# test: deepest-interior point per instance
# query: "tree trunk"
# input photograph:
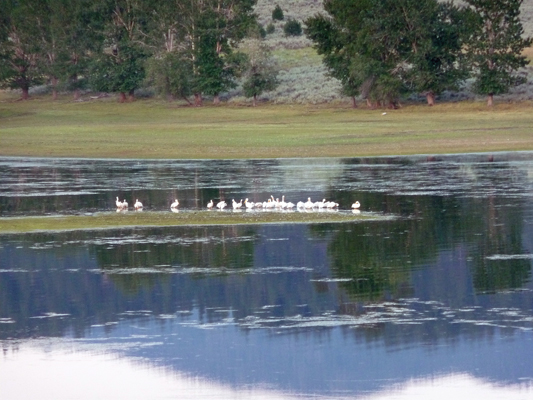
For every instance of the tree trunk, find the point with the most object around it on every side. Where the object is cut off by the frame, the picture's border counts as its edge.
(430, 97)
(216, 99)
(122, 97)
(25, 93)
(254, 102)
(369, 104)
(131, 95)
(490, 100)
(354, 104)
(74, 80)
(198, 99)
(54, 88)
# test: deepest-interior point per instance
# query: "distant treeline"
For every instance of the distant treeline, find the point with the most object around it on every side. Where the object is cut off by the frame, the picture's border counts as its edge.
(378, 49)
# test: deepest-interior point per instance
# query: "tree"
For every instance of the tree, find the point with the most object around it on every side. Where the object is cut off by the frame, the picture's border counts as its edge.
(170, 75)
(219, 25)
(261, 72)
(358, 48)
(70, 32)
(496, 46)
(119, 66)
(437, 32)
(292, 28)
(20, 66)
(277, 13)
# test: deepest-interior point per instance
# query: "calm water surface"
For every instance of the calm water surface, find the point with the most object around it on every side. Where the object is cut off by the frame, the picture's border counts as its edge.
(436, 302)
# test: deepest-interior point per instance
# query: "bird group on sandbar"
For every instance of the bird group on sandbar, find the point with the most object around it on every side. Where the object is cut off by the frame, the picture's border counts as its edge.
(123, 205)
(277, 204)
(269, 204)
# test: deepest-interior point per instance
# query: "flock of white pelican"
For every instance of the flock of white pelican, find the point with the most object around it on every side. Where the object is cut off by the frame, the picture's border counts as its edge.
(123, 205)
(269, 204)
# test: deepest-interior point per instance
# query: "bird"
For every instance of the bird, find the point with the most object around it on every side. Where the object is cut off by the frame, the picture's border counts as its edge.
(175, 204)
(221, 204)
(249, 204)
(138, 205)
(331, 204)
(235, 204)
(118, 203)
(125, 204)
(210, 204)
(356, 205)
(308, 203)
(320, 204)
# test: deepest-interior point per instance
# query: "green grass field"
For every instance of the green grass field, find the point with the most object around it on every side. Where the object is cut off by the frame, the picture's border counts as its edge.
(158, 129)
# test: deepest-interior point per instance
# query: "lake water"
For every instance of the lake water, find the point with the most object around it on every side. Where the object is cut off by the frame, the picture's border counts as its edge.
(435, 301)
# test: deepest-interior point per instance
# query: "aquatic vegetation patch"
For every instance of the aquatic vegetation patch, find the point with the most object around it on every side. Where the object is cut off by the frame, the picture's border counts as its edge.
(110, 220)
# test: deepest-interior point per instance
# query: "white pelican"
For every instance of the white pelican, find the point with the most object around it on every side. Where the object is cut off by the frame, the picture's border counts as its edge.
(320, 204)
(331, 204)
(356, 205)
(221, 204)
(175, 204)
(118, 203)
(125, 204)
(249, 204)
(138, 205)
(210, 204)
(300, 204)
(235, 204)
(308, 203)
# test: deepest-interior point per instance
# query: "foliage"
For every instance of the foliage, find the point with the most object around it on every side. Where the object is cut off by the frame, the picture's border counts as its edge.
(292, 28)
(19, 51)
(381, 49)
(170, 75)
(496, 45)
(277, 13)
(261, 72)
(270, 29)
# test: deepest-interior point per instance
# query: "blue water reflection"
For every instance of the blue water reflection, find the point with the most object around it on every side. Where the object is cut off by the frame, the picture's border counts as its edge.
(364, 309)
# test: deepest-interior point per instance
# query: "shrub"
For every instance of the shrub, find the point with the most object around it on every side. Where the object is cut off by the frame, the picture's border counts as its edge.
(270, 29)
(277, 14)
(292, 28)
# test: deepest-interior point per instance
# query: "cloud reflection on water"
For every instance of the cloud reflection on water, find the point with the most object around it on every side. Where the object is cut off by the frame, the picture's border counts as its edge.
(91, 372)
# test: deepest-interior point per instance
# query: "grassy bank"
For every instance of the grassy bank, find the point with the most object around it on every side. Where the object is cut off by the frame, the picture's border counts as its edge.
(111, 220)
(157, 129)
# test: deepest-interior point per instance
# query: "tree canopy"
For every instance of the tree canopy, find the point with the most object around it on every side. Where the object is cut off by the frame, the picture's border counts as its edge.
(380, 49)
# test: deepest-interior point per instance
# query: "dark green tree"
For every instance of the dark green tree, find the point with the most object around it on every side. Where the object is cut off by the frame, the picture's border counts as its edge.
(261, 71)
(170, 75)
(70, 33)
(436, 62)
(496, 46)
(292, 28)
(20, 62)
(277, 13)
(119, 66)
(219, 26)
